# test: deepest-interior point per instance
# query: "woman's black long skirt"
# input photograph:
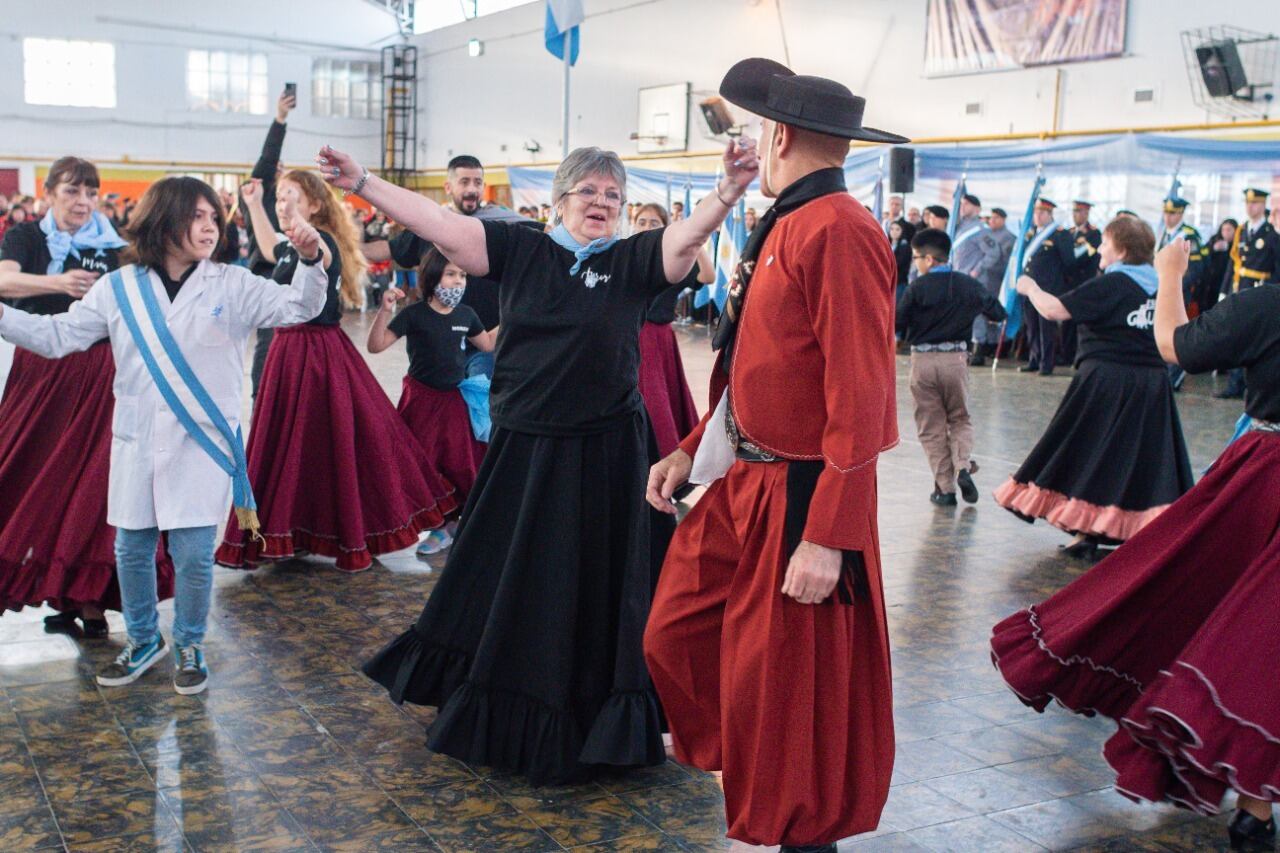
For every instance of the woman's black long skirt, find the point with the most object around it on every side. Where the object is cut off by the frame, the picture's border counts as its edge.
(531, 642)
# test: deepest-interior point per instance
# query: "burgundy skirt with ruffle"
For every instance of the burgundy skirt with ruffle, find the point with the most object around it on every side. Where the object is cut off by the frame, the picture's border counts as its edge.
(441, 423)
(56, 547)
(1175, 636)
(663, 386)
(334, 469)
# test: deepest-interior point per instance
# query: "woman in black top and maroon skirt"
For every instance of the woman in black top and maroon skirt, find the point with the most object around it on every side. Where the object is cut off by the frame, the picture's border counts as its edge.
(334, 469)
(531, 642)
(663, 385)
(1113, 457)
(437, 330)
(1174, 636)
(56, 547)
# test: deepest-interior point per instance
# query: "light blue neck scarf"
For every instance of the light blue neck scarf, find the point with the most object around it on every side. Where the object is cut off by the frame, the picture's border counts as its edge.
(1144, 275)
(95, 234)
(565, 240)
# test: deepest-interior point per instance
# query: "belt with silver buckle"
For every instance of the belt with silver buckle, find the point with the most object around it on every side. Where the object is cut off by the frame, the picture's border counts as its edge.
(1264, 426)
(743, 449)
(948, 346)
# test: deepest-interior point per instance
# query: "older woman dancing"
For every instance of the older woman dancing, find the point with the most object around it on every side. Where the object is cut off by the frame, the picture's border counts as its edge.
(531, 643)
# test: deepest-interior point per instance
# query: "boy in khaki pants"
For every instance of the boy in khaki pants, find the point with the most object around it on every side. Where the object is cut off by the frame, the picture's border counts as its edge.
(935, 317)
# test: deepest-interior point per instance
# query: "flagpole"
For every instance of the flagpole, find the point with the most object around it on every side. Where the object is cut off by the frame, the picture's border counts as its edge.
(568, 55)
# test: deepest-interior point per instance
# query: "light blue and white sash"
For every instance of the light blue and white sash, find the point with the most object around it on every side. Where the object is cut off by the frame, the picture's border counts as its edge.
(181, 389)
(966, 235)
(1040, 238)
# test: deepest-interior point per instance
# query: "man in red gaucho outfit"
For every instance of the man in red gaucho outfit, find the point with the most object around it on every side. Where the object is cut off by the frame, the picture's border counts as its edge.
(767, 638)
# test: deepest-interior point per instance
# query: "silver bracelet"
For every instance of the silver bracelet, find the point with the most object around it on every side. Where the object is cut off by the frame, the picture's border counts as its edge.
(728, 204)
(359, 184)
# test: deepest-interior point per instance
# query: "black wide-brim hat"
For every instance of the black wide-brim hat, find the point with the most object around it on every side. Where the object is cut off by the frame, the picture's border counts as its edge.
(773, 90)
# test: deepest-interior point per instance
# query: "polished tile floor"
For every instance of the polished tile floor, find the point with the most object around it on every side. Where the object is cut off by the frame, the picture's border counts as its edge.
(292, 749)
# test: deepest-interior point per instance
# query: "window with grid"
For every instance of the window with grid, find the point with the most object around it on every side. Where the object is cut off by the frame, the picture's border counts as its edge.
(64, 73)
(225, 81)
(346, 89)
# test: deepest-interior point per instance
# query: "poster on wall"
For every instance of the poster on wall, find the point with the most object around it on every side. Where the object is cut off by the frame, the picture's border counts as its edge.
(968, 36)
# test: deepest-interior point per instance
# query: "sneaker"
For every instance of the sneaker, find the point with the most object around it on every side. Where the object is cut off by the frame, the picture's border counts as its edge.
(968, 490)
(134, 659)
(943, 498)
(436, 541)
(191, 676)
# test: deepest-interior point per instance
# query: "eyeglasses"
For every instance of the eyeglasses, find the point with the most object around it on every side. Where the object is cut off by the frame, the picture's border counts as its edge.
(589, 195)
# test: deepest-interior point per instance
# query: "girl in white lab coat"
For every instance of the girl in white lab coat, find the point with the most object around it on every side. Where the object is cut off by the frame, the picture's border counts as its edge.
(336, 469)
(178, 324)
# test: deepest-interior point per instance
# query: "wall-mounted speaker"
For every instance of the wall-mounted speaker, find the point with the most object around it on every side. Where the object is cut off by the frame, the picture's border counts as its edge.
(902, 170)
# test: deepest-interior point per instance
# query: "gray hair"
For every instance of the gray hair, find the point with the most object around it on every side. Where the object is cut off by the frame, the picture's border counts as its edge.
(583, 163)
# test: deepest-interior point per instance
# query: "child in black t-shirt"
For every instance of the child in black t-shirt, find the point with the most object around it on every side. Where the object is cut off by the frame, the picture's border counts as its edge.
(437, 331)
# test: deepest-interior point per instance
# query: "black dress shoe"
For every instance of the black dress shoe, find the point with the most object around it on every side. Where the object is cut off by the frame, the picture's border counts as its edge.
(62, 623)
(807, 848)
(1048, 372)
(1226, 395)
(1029, 368)
(1248, 833)
(95, 629)
(968, 489)
(977, 360)
(1085, 549)
(943, 498)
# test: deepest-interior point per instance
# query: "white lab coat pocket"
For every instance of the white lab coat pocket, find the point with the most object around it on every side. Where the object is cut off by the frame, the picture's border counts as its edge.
(124, 420)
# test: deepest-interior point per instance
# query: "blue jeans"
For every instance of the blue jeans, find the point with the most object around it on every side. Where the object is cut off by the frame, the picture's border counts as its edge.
(192, 552)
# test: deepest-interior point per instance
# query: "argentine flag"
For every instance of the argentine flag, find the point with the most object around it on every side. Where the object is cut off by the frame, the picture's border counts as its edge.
(563, 17)
(729, 243)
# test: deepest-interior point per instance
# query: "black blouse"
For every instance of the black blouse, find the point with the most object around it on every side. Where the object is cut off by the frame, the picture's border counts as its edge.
(1117, 321)
(287, 262)
(1243, 330)
(25, 244)
(568, 351)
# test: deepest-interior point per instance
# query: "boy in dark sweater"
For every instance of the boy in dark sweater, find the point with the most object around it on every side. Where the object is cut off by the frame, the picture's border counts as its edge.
(935, 317)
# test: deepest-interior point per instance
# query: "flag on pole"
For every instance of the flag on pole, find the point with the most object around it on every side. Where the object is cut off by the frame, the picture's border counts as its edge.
(563, 18)
(729, 243)
(688, 200)
(961, 191)
(1009, 291)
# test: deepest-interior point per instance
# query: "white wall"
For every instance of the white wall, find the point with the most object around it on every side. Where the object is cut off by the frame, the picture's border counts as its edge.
(876, 47)
(152, 121)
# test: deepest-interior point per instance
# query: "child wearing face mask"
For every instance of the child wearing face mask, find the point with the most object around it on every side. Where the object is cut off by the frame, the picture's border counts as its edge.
(335, 467)
(177, 324)
(437, 331)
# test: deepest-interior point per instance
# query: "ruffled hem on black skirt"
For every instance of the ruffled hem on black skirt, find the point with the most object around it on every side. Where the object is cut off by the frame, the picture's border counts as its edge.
(531, 642)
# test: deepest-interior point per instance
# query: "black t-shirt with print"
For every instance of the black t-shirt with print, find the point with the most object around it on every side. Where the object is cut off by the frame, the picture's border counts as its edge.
(287, 262)
(1116, 320)
(569, 352)
(437, 343)
(25, 244)
(481, 296)
(1242, 330)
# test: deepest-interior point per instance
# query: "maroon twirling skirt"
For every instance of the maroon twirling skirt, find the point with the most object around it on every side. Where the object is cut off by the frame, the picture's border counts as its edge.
(1176, 636)
(663, 385)
(334, 469)
(441, 423)
(56, 547)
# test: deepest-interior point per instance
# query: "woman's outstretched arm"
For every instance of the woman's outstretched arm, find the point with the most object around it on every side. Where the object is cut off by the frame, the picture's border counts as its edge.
(460, 238)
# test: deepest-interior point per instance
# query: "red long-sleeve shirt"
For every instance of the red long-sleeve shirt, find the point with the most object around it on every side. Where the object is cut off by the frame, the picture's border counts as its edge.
(812, 375)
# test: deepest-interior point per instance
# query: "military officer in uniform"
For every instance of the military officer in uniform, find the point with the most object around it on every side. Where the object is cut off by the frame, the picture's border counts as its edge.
(1049, 251)
(1255, 255)
(1081, 267)
(1174, 227)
